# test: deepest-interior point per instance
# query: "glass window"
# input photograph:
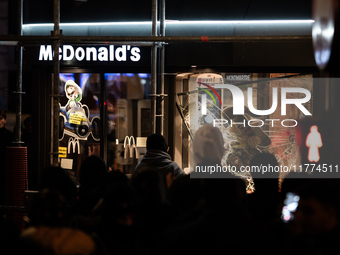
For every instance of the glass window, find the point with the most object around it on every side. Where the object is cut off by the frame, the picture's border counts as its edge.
(254, 117)
(79, 119)
(128, 116)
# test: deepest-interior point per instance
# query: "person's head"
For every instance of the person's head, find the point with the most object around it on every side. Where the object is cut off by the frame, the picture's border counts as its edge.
(186, 193)
(28, 124)
(156, 142)
(208, 145)
(55, 178)
(118, 206)
(112, 178)
(93, 170)
(3, 117)
(149, 185)
(48, 208)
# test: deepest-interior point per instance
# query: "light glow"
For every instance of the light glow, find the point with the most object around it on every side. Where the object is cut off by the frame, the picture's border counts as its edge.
(313, 142)
(204, 104)
(241, 22)
(176, 22)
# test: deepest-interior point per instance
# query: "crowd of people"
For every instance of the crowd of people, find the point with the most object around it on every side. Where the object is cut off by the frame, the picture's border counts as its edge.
(161, 210)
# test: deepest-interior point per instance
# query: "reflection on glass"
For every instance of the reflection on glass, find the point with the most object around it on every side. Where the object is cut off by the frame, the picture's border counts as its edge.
(79, 119)
(250, 134)
(128, 114)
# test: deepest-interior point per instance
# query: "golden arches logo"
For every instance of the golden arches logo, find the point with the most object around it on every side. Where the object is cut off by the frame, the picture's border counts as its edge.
(129, 144)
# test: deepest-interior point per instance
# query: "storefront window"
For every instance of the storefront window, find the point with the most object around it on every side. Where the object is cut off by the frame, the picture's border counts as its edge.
(127, 106)
(254, 115)
(79, 119)
(128, 115)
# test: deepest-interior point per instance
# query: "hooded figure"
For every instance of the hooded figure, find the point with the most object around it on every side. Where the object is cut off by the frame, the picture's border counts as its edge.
(157, 157)
(208, 146)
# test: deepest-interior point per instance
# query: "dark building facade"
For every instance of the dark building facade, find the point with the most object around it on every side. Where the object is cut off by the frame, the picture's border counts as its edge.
(116, 76)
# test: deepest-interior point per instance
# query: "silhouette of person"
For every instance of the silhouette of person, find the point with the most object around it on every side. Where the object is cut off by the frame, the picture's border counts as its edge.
(313, 142)
(157, 157)
(6, 139)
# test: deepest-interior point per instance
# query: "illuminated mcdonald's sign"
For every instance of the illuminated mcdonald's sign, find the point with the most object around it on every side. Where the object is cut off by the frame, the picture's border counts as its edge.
(103, 54)
(129, 144)
(74, 142)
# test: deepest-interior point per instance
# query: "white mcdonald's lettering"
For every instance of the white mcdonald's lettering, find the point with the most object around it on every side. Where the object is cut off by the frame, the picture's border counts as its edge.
(45, 52)
(103, 54)
(129, 144)
(80, 54)
(68, 48)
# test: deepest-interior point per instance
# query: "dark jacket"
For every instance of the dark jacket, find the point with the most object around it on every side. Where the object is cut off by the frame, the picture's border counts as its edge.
(160, 161)
(6, 139)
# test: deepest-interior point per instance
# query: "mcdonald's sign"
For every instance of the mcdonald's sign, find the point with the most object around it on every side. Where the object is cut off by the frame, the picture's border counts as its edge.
(129, 144)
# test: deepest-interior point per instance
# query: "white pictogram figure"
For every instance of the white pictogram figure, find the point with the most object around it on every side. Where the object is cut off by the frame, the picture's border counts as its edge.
(313, 142)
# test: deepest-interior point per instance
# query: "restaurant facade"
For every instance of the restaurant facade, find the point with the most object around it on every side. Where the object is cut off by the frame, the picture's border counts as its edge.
(119, 82)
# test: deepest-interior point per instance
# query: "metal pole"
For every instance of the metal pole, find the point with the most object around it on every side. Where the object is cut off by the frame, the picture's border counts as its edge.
(154, 17)
(103, 118)
(162, 18)
(153, 87)
(154, 67)
(55, 96)
(162, 59)
(19, 76)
